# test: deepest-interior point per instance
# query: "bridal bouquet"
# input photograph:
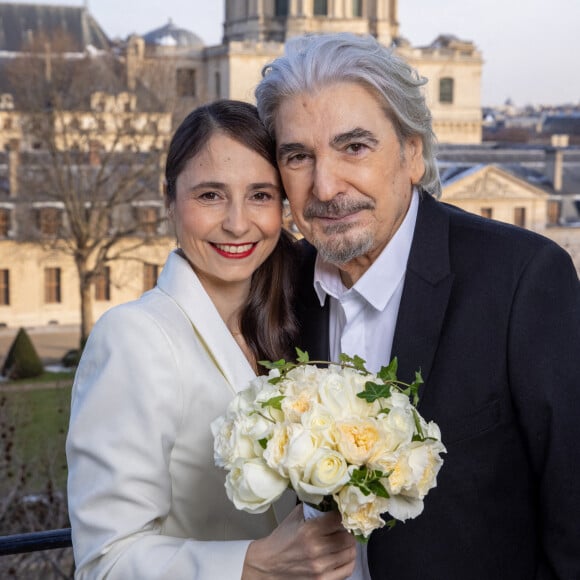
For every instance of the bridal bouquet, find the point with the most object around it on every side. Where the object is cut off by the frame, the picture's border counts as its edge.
(341, 437)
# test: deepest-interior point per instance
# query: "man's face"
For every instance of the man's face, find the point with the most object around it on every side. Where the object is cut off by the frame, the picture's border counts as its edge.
(348, 178)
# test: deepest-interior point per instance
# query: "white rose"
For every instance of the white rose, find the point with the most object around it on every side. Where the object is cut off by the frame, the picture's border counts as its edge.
(290, 447)
(325, 474)
(304, 378)
(230, 442)
(403, 507)
(322, 424)
(361, 514)
(252, 486)
(400, 400)
(338, 393)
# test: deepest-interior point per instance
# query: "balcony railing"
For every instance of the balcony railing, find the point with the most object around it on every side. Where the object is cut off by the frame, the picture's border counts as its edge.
(35, 542)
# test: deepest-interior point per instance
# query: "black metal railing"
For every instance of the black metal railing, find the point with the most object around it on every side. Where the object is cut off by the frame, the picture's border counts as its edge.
(35, 542)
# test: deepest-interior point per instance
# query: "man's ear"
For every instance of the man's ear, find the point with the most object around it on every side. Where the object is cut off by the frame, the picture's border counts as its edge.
(414, 158)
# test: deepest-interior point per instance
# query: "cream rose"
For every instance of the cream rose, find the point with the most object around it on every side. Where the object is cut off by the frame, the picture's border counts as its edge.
(425, 462)
(252, 486)
(361, 514)
(357, 439)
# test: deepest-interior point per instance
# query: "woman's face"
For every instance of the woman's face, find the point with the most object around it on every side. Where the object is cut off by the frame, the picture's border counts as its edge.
(227, 212)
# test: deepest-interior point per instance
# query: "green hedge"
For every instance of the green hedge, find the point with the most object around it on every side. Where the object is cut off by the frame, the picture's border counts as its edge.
(22, 361)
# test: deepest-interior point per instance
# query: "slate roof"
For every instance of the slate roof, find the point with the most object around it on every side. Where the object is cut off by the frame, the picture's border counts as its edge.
(451, 173)
(528, 162)
(21, 23)
(562, 123)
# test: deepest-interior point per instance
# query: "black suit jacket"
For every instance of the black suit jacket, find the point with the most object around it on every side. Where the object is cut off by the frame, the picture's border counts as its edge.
(490, 313)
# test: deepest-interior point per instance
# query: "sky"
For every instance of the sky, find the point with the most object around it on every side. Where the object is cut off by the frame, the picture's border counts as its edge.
(531, 48)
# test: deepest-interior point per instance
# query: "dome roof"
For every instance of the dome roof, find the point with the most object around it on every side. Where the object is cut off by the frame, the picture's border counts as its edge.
(171, 35)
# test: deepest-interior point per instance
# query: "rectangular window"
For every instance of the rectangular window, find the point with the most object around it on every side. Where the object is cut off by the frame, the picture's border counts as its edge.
(281, 8)
(4, 222)
(320, 8)
(52, 288)
(103, 285)
(4, 287)
(150, 275)
(186, 82)
(218, 85)
(357, 8)
(487, 212)
(49, 220)
(520, 216)
(446, 90)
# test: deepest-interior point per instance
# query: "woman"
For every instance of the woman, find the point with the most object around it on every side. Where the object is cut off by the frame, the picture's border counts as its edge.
(145, 499)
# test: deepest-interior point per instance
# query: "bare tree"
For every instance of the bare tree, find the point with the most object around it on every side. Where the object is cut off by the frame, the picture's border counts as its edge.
(91, 155)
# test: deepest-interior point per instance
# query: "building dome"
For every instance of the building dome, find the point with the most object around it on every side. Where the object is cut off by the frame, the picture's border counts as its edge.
(171, 35)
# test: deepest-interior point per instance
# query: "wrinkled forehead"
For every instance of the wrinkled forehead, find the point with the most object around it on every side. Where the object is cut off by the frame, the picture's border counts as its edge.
(329, 110)
(292, 102)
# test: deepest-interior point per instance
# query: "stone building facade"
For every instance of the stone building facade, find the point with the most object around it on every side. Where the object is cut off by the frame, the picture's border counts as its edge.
(254, 33)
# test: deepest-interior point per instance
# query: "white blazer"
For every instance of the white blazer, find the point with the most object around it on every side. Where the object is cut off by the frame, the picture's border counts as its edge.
(145, 499)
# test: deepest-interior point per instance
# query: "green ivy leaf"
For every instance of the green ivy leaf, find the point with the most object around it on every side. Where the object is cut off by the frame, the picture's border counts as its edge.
(355, 361)
(263, 443)
(274, 402)
(389, 374)
(378, 489)
(414, 388)
(278, 364)
(368, 481)
(374, 391)
(302, 356)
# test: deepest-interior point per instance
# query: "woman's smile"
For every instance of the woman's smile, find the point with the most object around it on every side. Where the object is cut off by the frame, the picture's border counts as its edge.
(235, 251)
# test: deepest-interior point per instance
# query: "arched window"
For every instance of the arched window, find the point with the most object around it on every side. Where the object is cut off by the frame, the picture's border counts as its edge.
(446, 90)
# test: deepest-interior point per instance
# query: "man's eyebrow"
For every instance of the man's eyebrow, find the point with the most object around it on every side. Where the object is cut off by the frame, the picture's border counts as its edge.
(356, 134)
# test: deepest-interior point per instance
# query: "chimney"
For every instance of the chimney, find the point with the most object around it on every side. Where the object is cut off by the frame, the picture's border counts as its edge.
(554, 167)
(134, 60)
(13, 166)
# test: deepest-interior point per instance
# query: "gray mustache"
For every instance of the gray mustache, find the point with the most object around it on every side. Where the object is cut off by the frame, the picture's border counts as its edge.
(335, 208)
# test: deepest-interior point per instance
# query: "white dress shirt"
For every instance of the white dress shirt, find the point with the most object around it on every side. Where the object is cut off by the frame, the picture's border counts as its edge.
(362, 318)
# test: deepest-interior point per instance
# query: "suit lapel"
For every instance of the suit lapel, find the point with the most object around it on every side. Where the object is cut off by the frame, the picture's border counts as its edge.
(428, 283)
(312, 317)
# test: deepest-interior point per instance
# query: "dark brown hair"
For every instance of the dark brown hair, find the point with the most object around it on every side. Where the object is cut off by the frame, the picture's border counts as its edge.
(267, 320)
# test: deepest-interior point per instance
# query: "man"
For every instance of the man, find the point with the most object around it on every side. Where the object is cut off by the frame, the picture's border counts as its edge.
(488, 312)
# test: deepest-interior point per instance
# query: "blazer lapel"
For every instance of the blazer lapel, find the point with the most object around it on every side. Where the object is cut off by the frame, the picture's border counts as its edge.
(179, 281)
(428, 283)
